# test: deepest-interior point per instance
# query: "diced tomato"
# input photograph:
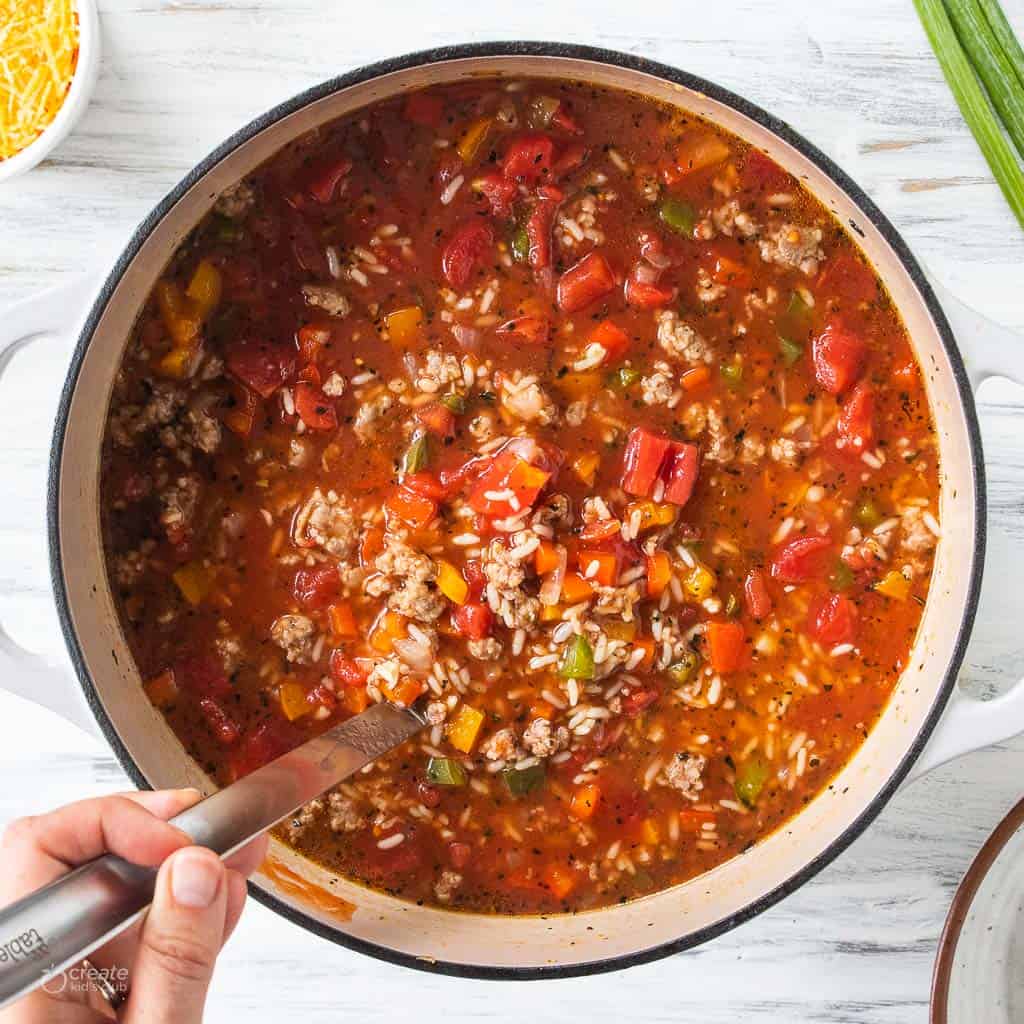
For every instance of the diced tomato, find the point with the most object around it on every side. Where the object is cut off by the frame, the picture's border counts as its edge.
(585, 282)
(539, 224)
(803, 559)
(311, 339)
(269, 740)
(638, 700)
(459, 854)
(507, 472)
(342, 621)
(370, 546)
(600, 530)
(411, 508)
(424, 109)
(755, 593)
(324, 177)
(346, 671)
(681, 472)
(612, 338)
(761, 172)
(534, 330)
(468, 247)
(726, 645)
(473, 621)
(202, 675)
(570, 159)
(261, 365)
(473, 573)
(312, 405)
(437, 419)
(425, 484)
(562, 118)
(642, 460)
(731, 272)
(838, 354)
(834, 620)
(499, 192)
(528, 157)
(646, 295)
(855, 425)
(322, 696)
(848, 279)
(220, 722)
(316, 588)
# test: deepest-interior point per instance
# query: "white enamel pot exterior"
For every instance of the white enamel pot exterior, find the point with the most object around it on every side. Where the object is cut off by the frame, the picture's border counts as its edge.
(677, 918)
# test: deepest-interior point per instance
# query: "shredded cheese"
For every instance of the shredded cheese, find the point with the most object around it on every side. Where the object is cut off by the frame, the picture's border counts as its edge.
(38, 55)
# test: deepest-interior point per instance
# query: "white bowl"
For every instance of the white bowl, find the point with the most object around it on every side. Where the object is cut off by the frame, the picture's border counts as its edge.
(75, 102)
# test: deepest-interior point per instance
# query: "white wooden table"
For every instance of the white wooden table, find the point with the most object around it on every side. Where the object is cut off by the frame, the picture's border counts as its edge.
(857, 943)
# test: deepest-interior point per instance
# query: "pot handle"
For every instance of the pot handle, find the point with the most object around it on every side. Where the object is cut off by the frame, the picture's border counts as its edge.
(990, 350)
(55, 311)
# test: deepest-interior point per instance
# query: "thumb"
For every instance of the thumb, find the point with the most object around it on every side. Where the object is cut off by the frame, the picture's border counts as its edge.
(180, 940)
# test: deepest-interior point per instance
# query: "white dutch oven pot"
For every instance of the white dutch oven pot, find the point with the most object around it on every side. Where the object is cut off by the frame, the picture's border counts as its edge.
(926, 722)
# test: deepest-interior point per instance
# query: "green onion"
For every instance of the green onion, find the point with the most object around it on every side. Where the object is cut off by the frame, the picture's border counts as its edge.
(624, 377)
(732, 372)
(682, 671)
(416, 455)
(791, 350)
(842, 576)
(521, 781)
(578, 660)
(1004, 35)
(973, 104)
(750, 779)
(454, 403)
(992, 65)
(679, 216)
(446, 771)
(520, 244)
(866, 512)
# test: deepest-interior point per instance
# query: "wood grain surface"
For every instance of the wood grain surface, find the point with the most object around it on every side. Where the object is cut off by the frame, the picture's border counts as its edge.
(856, 944)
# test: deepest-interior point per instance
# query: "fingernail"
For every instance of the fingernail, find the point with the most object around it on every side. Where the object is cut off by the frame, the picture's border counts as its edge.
(195, 878)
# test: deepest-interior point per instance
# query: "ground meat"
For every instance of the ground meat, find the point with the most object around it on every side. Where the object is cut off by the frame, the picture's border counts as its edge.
(720, 443)
(445, 886)
(729, 219)
(437, 712)
(179, 505)
(659, 387)
(555, 512)
(131, 421)
(505, 576)
(793, 246)
(707, 290)
(500, 746)
(439, 370)
(917, 541)
(130, 567)
(525, 399)
(481, 428)
(786, 450)
(234, 202)
(328, 522)
(679, 339)
(684, 773)
(576, 413)
(230, 650)
(345, 815)
(206, 432)
(541, 740)
(296, 636)
(303, 818)
(300, 451)
(329, 299)
(486, 649)
(334, 386)
(751, 449)
(365, 425)
(408, 578)
(694, 419)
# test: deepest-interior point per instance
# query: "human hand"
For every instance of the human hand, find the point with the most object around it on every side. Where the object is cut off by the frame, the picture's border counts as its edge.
(167, 958)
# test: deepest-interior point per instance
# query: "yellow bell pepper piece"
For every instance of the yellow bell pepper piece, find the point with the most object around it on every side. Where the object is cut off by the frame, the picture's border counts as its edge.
(204, 289)
(193, 580)
(585, 467)
(293, 700)
(451, 583)
(180, 362)
(895, 585)
(650, 831)
(618, 629)
(463, 729)
(404, 325)
(179, 314)
(551, 612)
(162, 690)
(579, 385)
(473, 138)
(700, 583)
(651, 514)
(386, 630)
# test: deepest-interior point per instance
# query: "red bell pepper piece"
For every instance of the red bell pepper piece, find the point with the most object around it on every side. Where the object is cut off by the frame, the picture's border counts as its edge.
(469, 246)
(313, 406)
(539, 224)
(726, 645)
(855, 425)
(437, 419)
(414, 510)
(507, 472)
(613, 339)
(803, 559)
(642, 460)
(756, 596)
(584, 282)
(838, 354)
(680, 474)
